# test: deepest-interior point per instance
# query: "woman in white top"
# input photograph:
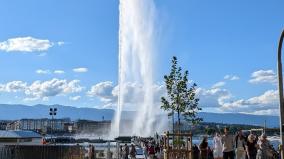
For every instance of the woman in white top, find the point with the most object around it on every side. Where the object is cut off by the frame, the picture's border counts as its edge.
(240, 146)
(217, 146)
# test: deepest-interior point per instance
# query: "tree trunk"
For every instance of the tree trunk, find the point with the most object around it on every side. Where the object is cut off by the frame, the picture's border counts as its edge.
(178, 120)
(173, 118)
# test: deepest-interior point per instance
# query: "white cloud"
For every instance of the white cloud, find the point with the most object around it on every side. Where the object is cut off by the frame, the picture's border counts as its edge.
(223, 100)
(265, 102)
(75, 98)
(58, 72)
(52, 88)
(59, 43)
(133, 93)
(40, 71)
(42, 89)
(13, 86)
(263, 76)
(213, 97)
(25, 44)
(274, 112)
(219, 84)
(103, 90)
(80, 69)
(231, 77)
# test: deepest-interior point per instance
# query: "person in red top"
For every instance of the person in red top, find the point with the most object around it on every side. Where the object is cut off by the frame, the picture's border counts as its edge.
(151, 151)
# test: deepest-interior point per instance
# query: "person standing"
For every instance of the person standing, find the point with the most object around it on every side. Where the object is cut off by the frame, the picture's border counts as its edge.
(240, 146)
(126, 149)
(120, 154)
(251, 147)
(151, 151)
(133, 152)
(91, 152)
(196, 152)
(203, 147)
(228, 144)
(217, 146)
(145, 150)
(264, 149)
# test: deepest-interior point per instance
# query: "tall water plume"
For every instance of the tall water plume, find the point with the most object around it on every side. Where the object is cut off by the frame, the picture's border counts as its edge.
(136, 49)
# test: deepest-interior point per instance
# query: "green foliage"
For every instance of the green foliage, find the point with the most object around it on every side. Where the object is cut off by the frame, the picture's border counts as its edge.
(178, 142)
(180, 95)
(210, 131)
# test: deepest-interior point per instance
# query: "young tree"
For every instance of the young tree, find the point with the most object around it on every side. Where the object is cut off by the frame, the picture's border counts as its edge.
(180, 97)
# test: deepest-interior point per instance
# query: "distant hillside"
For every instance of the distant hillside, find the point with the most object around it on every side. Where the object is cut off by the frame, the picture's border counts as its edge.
(237, 118)
(12, 112)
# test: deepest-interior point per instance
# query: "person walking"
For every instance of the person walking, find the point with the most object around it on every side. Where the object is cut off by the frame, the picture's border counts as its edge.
(126, 149)
(240, 146)
(151, 151)
(91, 152)
(264, 148)
(251, 147)
(120, 153)
(196, 152)
(203, 147)
(217, 146)
(145, 150)
(228, 144)
(133, 152)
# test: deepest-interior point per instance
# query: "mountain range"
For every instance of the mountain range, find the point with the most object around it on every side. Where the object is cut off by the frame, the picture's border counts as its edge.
(16, 111)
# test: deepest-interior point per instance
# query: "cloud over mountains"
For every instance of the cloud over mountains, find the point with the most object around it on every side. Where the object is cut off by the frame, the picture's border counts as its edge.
(42, 89)
(27, 44)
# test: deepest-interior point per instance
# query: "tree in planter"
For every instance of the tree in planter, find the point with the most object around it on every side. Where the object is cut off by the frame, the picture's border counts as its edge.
(180, 97)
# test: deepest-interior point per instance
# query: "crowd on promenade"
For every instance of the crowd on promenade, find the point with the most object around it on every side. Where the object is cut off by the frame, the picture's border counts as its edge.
(151, 150)
(239, 146)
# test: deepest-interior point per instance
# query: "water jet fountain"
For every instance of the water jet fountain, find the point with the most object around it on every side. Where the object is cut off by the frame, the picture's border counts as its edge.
(136, 50)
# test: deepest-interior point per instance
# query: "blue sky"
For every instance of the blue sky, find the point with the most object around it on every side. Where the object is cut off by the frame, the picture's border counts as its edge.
(211, 39)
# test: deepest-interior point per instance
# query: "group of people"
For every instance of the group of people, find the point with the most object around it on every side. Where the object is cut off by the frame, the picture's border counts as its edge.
(125, 152)
(237, 146)
(151, 150)
(91, 154)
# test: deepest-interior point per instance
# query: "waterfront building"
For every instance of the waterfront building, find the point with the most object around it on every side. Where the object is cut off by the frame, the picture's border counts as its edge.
(14, 125)
(4, 123)
(44, 125)
(19, 137)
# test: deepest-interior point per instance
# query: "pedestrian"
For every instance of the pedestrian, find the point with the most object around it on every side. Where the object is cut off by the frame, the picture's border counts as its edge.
(228, 144)
(217, 146)
(133, 152)
(251, 147)
(264, 151)
(210, 153)
(145, 150)
(196, 152)
(120, 152)
(240, 145)
(203, 147)
(126, 149)
(158, 151)
(91, 152)
(151, 151)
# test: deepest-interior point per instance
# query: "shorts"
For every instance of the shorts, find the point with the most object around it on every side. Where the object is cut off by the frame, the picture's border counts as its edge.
(217, 154)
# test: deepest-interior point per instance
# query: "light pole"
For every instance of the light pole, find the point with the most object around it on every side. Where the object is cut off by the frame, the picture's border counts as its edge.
(52, 113)
(280, 88)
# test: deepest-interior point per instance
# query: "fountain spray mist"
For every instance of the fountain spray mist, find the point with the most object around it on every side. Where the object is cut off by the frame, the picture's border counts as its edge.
(136, 50)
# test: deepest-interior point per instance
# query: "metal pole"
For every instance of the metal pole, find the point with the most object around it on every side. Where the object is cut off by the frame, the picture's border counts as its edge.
(280, 87)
